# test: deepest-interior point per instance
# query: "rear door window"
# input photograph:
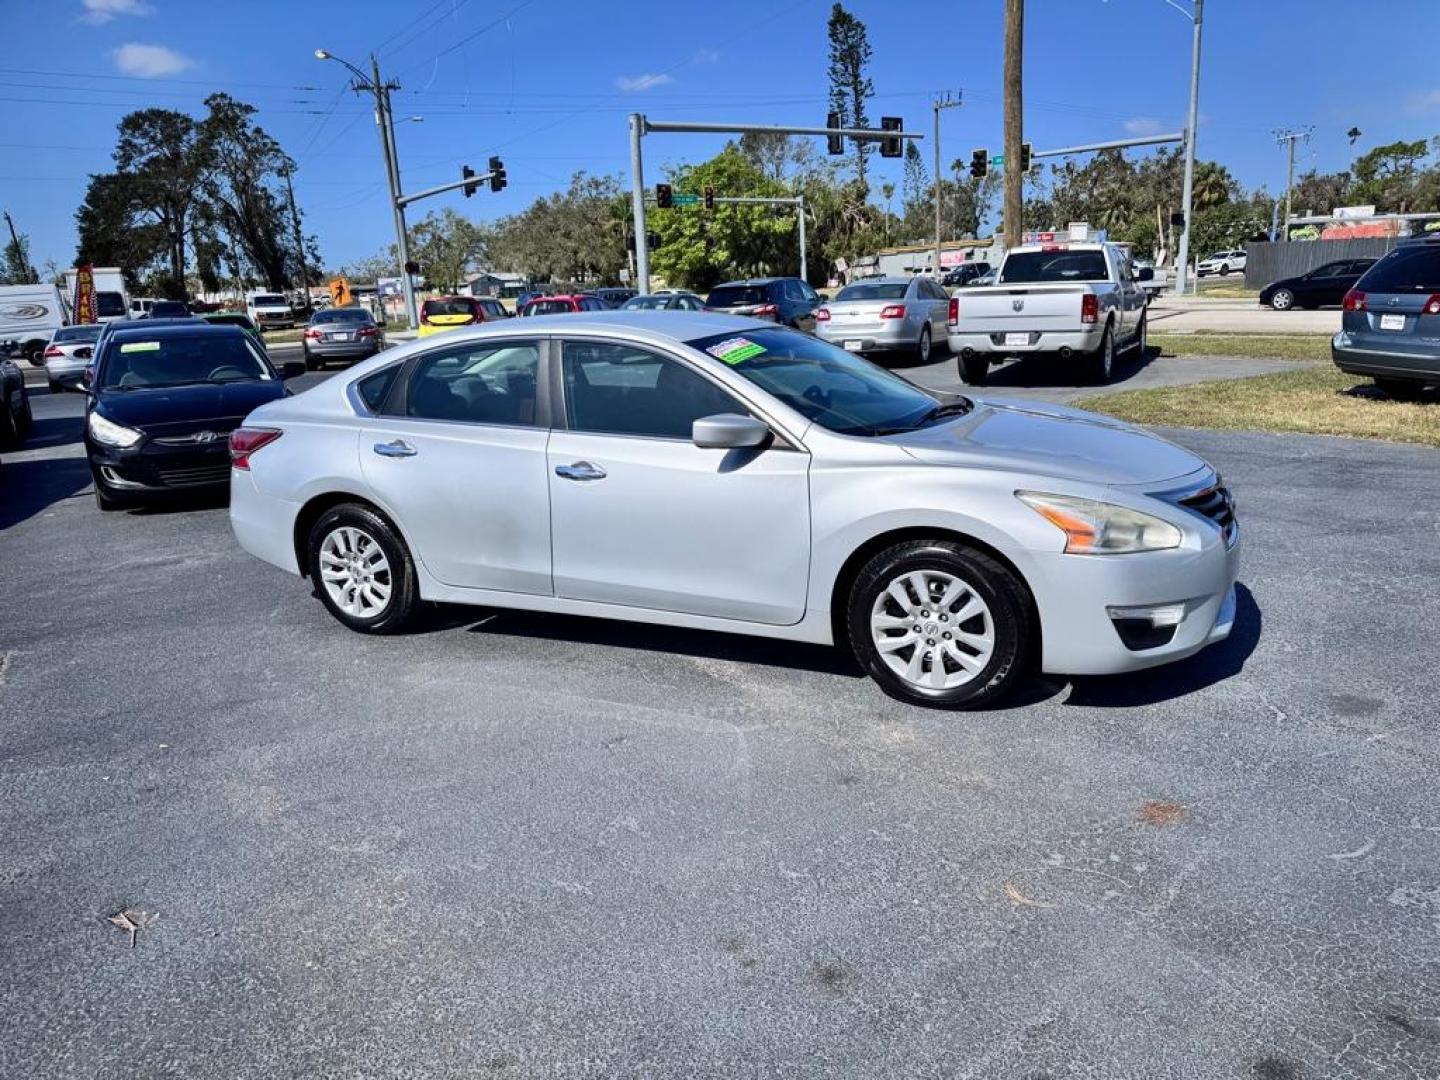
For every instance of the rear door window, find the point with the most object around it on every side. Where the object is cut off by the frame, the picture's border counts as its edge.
(483, 382)
(1405, 270)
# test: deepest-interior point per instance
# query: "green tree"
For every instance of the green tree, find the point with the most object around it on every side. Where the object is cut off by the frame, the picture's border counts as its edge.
(446, 245)
(1320, 193)
(16, 268)
(1390, 176)
(577, 235)
(850, 88)
(161, 154)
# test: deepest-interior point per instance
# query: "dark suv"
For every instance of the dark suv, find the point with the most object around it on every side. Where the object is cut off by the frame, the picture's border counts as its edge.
(785, 300)
(1390, 329)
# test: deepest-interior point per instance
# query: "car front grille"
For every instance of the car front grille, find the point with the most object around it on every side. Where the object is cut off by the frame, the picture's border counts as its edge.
(1216, 504)
(195, 475)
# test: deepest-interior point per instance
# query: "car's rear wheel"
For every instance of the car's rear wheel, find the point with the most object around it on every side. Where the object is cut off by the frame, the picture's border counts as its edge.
(938, 623)
(922, 349)
(1282, 300)
(1102, 360)
(974, 369)
(362, 570)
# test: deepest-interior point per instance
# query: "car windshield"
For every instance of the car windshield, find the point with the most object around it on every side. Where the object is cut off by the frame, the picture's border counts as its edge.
(339, 315)
(1036, 267)
(269, 301)
(645, 303)
(872, 291)
(109, 304)
(547, 307)
(735, 295)
(72, 334)
(828, 385)
(431, 308)
(133, 363)
(1405, 270)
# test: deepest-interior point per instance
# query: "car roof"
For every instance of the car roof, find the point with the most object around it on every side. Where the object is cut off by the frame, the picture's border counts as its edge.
(170, 328)
(564, 296)
(883, 279)
(678, 326)
(749, 281)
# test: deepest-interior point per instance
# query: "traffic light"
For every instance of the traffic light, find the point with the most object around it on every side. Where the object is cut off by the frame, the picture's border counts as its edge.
(664, 197)
(709, 197)
(1177, 220)
(890, 145)
(466, 172)
(1025, 157)
(412, 267)
(979, 163)
(834, 144)
(497, 174)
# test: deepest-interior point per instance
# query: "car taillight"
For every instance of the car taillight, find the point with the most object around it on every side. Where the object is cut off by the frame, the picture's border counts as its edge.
(1089, 308)
(368, 331)
(954, 309)
(1432, 306)
(424, 316)
(54, 350)
(892, 311)
(313, 333)
(1354, 300)
(766, 311)
(245, 441)
(822, 315)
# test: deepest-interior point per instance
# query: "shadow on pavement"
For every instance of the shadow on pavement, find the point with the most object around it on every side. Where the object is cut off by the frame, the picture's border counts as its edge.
(1051, 371)
(54, 431)
(653, 639)
(1206, 668)
(28, 487)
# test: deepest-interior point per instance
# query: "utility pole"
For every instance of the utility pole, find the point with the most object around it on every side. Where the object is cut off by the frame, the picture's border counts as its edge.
(1290, 138)
(27, 270)
(1014, 120)
(1182, 261)
(944, 102)
(299, 238)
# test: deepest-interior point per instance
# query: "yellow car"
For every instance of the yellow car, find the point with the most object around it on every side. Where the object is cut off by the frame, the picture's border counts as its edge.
(441, 313)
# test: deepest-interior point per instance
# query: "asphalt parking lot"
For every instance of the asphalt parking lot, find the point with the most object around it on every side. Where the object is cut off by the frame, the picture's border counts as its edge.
(525, 846)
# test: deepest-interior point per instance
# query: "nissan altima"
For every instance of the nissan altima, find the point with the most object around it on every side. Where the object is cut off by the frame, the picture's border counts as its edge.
(708, 471)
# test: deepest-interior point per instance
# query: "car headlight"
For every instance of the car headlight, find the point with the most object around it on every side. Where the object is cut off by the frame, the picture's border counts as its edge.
(110, 433)
(1097, 528)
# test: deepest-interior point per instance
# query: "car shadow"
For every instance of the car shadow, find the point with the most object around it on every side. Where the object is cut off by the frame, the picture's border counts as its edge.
(53, 431)
(646, 637)
(1154, 685)
(1034, 372)
(31, 486)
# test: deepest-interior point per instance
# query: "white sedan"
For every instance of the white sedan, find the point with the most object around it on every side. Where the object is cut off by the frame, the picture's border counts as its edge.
(708, 471)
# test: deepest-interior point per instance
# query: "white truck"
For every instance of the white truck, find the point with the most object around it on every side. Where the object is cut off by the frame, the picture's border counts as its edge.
(112, 301)
(30, 314)
(269, 310)
(1074, 300)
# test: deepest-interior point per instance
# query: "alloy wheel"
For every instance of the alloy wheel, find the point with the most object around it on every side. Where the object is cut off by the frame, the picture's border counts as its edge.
(932, 629)
(355, 572)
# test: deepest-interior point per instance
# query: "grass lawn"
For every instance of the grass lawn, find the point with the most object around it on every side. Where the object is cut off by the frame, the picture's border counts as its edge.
(1310, 400)
(1227, 291)
(1265, 346)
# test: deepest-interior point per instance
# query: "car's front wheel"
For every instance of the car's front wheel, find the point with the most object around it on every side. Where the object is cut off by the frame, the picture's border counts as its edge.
(1102, 360)
(938, 623)
(1224, 269)
(362, 570)
(1282, 300)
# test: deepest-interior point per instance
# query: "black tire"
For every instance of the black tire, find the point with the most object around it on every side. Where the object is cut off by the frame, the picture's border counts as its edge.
(974, 369)
(1003, 593)
(1101, 362)
(9, 427)
(34, 352)
(1283, 300)
(311, 364)
(922, 347)
(1142, 333)
(401, 611)
(1224, 269)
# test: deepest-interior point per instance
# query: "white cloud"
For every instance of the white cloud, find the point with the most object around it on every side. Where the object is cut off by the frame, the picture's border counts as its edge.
(636, 83)
(705, 57)
(1143, 125)
(149, 61)
(102, 11)
(1422, 102)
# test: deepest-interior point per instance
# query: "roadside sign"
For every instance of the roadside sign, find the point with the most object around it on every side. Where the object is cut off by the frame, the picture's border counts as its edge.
(998, 159)
(85, 307)
(684, 200)
(340, 292)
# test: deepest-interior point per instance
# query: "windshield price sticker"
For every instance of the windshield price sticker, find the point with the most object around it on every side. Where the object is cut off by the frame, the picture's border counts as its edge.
(735, 350)
(140, 346)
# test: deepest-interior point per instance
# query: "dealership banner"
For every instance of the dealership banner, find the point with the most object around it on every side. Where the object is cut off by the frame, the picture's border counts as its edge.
(84, 306)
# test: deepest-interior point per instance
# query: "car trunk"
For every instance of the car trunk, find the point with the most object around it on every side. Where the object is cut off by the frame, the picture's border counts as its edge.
(1000, 308)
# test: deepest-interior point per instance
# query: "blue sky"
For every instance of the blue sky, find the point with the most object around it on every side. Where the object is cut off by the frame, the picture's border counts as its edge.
(548, 83)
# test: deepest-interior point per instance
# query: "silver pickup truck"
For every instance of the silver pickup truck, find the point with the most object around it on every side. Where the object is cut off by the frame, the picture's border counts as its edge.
(1082, 300)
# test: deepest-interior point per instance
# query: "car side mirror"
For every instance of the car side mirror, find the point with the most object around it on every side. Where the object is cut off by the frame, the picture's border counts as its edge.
(1145, 273)
(292, 369)
(728, 431)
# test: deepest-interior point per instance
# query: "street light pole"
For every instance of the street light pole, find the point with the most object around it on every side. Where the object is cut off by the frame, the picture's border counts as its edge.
(1182, 268)
(384, 120)
(940, 103)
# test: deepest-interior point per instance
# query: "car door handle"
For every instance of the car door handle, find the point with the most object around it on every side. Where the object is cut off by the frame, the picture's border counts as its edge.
(397, 448)
(581, 470)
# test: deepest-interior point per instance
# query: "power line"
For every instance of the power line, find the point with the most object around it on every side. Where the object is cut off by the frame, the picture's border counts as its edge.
(472, 36)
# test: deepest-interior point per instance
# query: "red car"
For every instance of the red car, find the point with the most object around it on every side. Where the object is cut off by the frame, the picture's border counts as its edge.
(556, 305)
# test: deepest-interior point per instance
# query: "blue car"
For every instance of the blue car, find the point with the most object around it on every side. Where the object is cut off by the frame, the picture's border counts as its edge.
(1390, 328)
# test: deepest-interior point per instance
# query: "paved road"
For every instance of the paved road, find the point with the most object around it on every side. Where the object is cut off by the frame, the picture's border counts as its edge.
(516, 846)
(1189, 314)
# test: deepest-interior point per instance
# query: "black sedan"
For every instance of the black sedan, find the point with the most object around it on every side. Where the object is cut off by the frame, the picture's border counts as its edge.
(15, 416)
(1324, 286)
(162, 403)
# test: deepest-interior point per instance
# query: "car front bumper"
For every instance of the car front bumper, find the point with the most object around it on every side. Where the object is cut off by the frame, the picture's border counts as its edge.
(1036, 341)
(153, 468)
(1077, 597)
(1358, 357)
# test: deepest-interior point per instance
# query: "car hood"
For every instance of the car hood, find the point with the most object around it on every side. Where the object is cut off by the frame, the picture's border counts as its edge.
(1053, 440)
(165, 405)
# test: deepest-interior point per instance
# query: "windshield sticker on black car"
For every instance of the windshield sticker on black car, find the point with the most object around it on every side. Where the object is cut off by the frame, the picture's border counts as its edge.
(140, 346)
(735, 350)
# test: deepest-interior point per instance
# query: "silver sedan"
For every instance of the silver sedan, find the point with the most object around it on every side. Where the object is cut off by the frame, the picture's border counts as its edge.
(886, 314)
(67, 354)
(708, 471)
